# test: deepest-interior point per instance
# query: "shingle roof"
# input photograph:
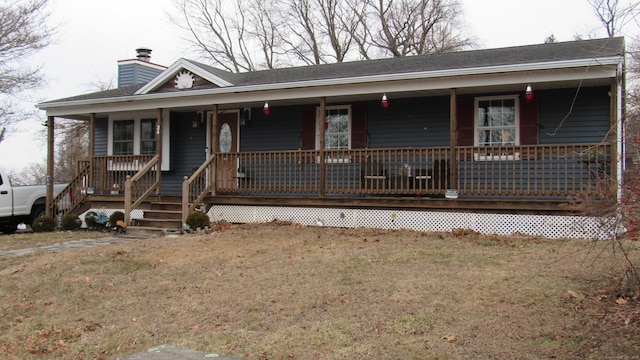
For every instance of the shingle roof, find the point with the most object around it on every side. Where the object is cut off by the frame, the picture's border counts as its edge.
(528, 54)
(583, 49)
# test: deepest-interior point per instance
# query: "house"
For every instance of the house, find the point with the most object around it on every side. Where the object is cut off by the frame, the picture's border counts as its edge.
(496, 140)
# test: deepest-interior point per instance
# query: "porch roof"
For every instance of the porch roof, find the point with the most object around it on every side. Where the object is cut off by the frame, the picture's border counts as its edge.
(538, 57)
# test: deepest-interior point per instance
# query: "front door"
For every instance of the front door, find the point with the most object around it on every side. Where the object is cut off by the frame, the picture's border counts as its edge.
(227, 162)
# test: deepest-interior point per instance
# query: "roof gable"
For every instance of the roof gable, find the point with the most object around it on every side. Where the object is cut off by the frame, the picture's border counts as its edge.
(187, 75)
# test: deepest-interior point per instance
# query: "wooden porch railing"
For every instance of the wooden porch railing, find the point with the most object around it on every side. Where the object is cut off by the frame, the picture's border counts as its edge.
(110, 172)
(540, 170)
(73, 195)
(196, 187)
(139, 186)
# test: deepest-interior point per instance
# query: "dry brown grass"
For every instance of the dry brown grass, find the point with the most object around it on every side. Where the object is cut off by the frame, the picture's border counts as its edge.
(280, 291)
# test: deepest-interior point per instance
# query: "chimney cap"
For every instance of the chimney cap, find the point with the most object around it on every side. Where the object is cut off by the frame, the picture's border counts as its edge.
(143, 53)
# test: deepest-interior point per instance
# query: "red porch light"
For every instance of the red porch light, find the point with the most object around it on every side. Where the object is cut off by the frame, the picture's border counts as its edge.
(265, 110)
(528, 93)
(384, 102)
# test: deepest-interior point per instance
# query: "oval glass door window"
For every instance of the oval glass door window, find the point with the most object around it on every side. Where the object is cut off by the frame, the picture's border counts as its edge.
(225, 138)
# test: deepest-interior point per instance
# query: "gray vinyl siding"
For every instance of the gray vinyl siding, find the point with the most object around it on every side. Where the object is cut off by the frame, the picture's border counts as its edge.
(277, 132)
(417, 122)
(187, 146)
(585, 121)
(134, 73)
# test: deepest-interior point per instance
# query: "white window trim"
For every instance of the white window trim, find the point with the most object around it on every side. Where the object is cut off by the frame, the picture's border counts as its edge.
(487, 156)
(329, 159)
(516, 101)
(318, 120)
(137, 118)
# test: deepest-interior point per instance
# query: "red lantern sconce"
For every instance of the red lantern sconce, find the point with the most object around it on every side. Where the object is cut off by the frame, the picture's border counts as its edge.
(384, 102)
(265, 110)
(528, 93)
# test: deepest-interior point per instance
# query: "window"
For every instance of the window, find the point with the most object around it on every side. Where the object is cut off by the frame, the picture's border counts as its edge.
(123, 135)
(148, 136)
(496, 121)
(337, 132)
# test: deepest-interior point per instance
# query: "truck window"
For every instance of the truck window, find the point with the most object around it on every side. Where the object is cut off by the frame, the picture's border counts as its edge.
(1, 182)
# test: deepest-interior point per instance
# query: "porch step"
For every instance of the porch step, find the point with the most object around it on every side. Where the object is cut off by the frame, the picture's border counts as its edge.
(166, 205)
(163, 216)
(158, 223)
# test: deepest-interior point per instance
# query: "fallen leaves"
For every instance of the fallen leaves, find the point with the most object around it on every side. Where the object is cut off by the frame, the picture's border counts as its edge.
(449, 337)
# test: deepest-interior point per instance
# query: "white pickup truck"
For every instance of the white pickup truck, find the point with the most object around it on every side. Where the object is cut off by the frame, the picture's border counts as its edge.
(21, 204)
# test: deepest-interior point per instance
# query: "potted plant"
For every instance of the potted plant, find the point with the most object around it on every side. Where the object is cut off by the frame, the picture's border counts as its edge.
(241, 172)
(115, 189)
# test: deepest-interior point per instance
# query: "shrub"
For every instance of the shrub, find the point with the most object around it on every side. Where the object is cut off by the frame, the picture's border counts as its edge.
(197, 219)
(71, 222)
(90, 219)
(43, 224)
(113, 219)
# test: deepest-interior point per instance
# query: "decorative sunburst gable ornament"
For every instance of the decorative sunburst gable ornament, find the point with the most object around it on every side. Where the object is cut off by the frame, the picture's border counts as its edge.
(184, 80)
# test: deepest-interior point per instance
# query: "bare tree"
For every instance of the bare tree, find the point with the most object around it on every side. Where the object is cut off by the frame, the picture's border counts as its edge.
(266, 29)
(73, 137)
(33, 174)
(413, 27)
(217, 31)
(613, 15)
(23, 32)
(312, 32)
(304, 42)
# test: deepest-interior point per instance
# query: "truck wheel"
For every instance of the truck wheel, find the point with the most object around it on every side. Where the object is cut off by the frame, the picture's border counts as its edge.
(8, 228)
(37, 212)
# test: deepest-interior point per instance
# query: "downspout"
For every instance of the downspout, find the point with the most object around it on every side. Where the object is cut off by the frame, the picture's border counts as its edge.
(50, 155)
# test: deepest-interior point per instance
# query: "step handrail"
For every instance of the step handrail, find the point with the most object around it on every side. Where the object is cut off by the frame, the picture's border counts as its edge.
(197, 186)
(139, 183)
(73, 195)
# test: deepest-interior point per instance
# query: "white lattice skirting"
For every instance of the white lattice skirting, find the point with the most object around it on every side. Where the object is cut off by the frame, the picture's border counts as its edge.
(503, 224)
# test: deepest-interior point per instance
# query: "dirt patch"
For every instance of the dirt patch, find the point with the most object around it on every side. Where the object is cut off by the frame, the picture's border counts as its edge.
(281, 291)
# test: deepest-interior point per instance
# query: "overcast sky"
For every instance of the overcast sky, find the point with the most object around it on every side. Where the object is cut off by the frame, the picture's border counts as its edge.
(92, 35)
